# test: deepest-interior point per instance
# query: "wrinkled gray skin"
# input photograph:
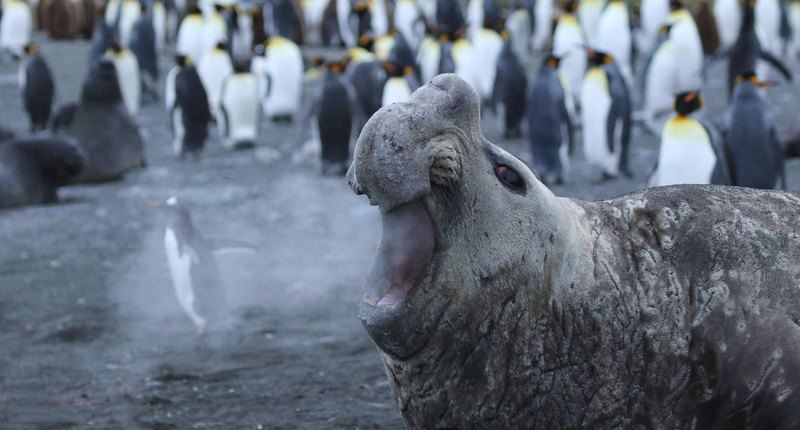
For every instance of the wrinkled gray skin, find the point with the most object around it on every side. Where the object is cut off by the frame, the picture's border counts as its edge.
(673, 307)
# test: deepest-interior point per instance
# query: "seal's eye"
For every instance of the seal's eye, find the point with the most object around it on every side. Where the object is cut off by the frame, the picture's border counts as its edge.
(510, 177)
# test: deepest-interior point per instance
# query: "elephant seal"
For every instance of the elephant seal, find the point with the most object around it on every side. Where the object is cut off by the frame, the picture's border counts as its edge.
(31, 170)
(496, 304)
(104, 128)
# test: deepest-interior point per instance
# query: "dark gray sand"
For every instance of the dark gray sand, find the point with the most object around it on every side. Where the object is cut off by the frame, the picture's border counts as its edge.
(90, 330)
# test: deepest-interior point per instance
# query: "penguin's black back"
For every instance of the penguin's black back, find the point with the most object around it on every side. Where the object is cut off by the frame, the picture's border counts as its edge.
(335, 119)
(143, 45)
(544, 120)
(39, 91)
(746, 50)
(193, 101)
(368, 78)
(102, 38)
(287, 21)
(446, 62)
(511, 87)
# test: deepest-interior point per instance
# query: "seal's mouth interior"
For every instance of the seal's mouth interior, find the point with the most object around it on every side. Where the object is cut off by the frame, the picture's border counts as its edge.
(406, 247)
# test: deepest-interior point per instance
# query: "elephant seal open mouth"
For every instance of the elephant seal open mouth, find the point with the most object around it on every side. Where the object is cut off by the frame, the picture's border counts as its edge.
(496, 304)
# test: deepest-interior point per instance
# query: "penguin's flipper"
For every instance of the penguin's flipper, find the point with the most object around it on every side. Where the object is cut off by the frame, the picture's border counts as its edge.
(226, 125)
(567, 119)
(187, 249)
(776, 63)
(780, 162)
(728, 157)
(721, 174)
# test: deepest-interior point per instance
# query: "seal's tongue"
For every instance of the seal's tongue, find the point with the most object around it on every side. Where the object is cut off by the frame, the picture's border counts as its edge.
(406, 246)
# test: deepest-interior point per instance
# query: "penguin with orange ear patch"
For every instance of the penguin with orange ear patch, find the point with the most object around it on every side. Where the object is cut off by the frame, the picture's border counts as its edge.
(692, 150)
(752, 139)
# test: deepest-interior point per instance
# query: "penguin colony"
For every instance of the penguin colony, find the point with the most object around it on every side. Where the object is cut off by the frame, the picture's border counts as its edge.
(573, 79)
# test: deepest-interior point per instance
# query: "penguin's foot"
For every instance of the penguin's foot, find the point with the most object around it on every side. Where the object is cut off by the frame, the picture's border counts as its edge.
(626, 172)
(512, 133)
(607, 177)
(287, 118)
(334, 168)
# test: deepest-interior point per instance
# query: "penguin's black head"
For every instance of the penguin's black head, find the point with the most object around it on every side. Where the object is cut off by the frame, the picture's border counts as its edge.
(675, 5)
(552, 61)
(366, 41)
(665, 29)
(241, 65)
(116, 46)
(101, 85)
(686, 103)
(337, 67)
(182, 60)
(221, 45)
(749, 76)
(571, 6)
(598, 58)
(31, 49)
(361, 7)
(192, 8)
(219, 8)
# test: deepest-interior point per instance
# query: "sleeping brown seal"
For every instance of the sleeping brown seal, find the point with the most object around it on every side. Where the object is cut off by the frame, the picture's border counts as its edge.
(496, 304)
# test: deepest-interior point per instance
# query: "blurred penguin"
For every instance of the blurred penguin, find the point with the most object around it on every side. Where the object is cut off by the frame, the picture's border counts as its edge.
(335, 113)
(193, 269)
(479, 66)
(684, 32)
(747, 50)
(143, 45)
(368, 78)
(128, 75)
(660, 80)
(692, 150)
(159, 12)
(510, 89)
(428, 9)
(283, 19)
(313, 11)
(707, 27)
(549, 123)
(399, 86)
(102, 38)
(239, 108)
(519, 26)
(214, 66)
(190, 113)
(450, 19)
(36, 85)
(129, 14)
(589, 12)
(768, 17)
(408, 21)
(16, 26)
(614, 37)
(652, 16)
(215, 29)
(605, 115)
(429, 54)
(279, 69)
(568, 42)
(728, 14)
(190, 34)
(752, 139)
(347, 33)
(474, 17)
(542, 23)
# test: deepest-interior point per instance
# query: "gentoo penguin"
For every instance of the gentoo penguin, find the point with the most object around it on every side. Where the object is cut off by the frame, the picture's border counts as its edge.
(549, 123)
(337, 111)
(747, 49)
(239, 108)
(36, 85)
(589, 12)
(215, 29)
(283, 20)
(214, 66)
(280, 74)
(568, 42)
(510, 89)
(102, 39)
(728, 14)
(190, 34)
(652, 16)
(104, 128)
(190, 114)
(193, 269)
(542, 23)
(752, 139)
(16, 26)
(691, 149)
(614, 37)
(129, 13)
(605, 115)
(128, 76)
(31, 170)
(143, 45)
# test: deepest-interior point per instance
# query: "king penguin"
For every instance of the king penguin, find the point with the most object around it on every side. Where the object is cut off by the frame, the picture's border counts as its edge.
(752, 139)
(214, 66)
(614, 37)
(239, 108)
(36, 84)
(280, 77)
(190, 113)
(190, 34)
(193, 269)
(605, 115)
(16, 26)
(691, 149)
(128, 74)
(510, 89)
(549, 123)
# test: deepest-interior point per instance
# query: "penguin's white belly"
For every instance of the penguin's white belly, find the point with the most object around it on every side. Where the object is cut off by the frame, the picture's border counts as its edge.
(595, 105)
(169, 88)
(396, 90)
(430, 53)
(129, 80)
(190, 39)
(180, 270)
(568, 44)
(485, 51)
(405, 20)
(284, 68)
(16, 26)
(178, 131)
(614, 37)
(685, 156)
(589, 12)
(130, 13)
(728, 14)
(794, 21)
(214, 67)
(243, 38)
(687, 39)
(660, 82)
(768, 21)
(380, 21)
(543, 12)
(214, 31)
(160, 25)
(653, 14)
(241, 109)
(428, 8)
(518, 25)
(474, 18)
(112, 8)
(313, 11)
(343, 19)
